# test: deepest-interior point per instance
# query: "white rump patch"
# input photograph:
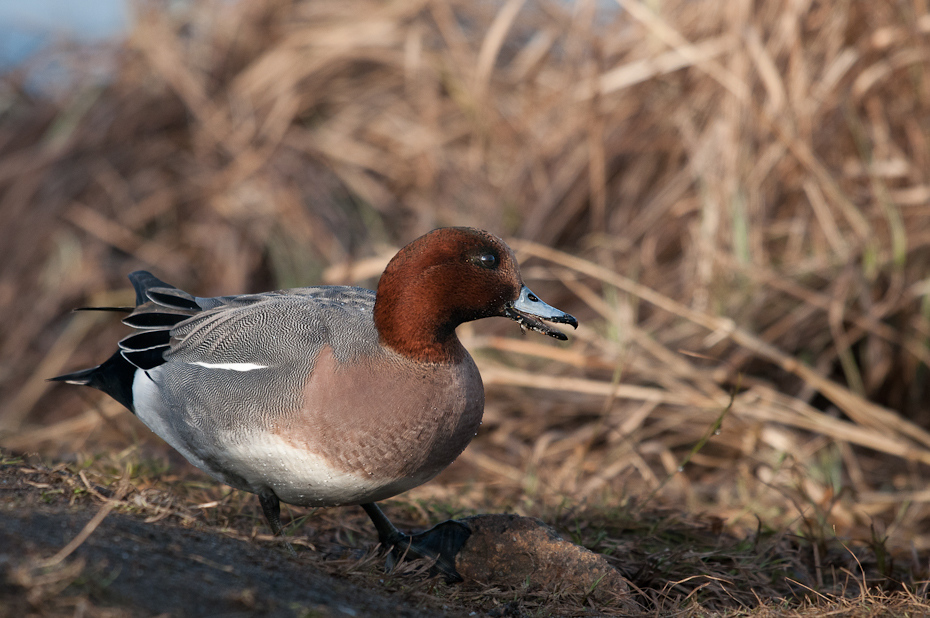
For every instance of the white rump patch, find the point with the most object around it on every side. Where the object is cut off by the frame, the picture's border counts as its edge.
(230, 366)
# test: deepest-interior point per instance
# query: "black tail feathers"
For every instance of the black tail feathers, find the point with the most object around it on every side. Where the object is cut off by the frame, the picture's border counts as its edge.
(83, 377)
(142, 281)
(159, 306)
(114, 377)
(116, 309)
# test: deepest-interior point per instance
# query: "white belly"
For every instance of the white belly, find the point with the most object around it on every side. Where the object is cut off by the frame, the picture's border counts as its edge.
(254, 461)
(301, 477)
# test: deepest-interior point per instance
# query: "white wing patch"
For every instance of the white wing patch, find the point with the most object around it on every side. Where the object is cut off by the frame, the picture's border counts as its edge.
(230, 366)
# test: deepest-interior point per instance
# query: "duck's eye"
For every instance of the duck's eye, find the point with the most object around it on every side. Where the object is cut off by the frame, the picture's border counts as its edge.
(487, 260)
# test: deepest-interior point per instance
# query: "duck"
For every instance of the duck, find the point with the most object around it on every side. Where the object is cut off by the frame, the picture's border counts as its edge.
(326, 396)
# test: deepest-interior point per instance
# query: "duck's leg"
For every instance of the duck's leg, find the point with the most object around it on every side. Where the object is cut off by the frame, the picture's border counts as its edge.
(441, 543)
(271, 507)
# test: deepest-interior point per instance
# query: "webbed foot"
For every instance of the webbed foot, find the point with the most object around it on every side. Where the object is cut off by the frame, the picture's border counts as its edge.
(441, 543)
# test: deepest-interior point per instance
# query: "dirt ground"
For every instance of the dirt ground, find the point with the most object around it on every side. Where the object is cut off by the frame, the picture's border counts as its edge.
(129, 567)
(71, 547)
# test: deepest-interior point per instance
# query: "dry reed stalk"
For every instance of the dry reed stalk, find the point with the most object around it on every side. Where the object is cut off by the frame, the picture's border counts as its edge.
(90, 526)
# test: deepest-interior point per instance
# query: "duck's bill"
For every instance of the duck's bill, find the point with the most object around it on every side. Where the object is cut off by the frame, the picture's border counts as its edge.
(530, 312)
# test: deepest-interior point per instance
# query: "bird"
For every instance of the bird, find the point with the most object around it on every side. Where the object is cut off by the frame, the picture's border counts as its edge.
(326, 395)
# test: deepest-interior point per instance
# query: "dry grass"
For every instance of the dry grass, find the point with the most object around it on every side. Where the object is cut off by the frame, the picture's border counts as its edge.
(732, 197)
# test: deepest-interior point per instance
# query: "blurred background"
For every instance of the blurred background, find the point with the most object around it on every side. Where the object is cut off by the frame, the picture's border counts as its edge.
(733, 197)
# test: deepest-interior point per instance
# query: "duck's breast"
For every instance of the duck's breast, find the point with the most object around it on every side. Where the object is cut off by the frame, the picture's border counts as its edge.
(385, 425)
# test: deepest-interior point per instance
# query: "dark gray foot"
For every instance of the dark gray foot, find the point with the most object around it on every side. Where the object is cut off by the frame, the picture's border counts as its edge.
(440, 543)
(271, 507)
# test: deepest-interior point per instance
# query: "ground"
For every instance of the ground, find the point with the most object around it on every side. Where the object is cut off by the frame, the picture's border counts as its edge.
(131, 567)
(86, 538)
(70, 546)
